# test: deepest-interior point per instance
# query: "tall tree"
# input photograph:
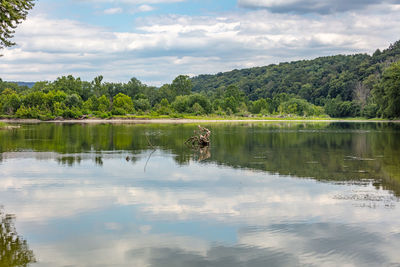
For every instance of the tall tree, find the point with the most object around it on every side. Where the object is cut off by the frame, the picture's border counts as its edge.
(12, 13)
(387, 92)
(182, 85)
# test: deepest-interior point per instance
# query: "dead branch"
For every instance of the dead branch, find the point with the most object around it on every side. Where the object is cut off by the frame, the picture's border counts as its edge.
(201, 138)
(150, 144)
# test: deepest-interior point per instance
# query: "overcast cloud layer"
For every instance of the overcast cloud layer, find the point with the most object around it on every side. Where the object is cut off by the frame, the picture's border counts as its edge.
(160, 44)
(313, 6)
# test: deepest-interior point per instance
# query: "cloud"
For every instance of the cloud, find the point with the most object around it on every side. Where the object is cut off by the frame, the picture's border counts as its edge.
(303, 245)
(135, 2)
(145, 8)
(311, 6)
(162, 47)
(111, 11)
(244, 199)
(275, 220)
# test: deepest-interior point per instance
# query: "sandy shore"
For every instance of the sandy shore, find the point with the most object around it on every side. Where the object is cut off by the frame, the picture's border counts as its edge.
(178, 121)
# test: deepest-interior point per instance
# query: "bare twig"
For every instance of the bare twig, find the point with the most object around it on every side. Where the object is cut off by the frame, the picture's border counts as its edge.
(150, 144)
(148, 158)
(154, 150)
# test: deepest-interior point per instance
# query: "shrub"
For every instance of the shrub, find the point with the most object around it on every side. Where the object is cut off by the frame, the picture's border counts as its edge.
(198, 109)
(118, 111)
(122, 104)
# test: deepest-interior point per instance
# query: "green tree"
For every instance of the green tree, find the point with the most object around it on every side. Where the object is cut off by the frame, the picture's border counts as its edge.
(142, 104)
(122, 104)
(91, 104)
(98, 86)
(133, 87)
(258, 105)
(231, 104)
(10, 101)
(69, 84)
(181, 104)
(73, 100)
(34, 99)
(12, 13)
(104, 104)
(202, 100)
(387, 92)
(164, 92)
(182, 85)
(163, 108)
(197, 109)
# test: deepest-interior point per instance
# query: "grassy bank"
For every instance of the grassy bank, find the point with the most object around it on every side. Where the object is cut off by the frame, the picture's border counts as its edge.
(187, 118)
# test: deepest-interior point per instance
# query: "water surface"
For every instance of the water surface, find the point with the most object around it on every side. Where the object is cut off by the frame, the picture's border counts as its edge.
(263, 194)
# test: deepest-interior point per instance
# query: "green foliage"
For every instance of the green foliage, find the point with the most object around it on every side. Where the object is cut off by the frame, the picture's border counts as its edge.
(91, 104)
(73, 101)
(164, 102)
(198, 109)
(163, 108)
(370, 111)
(72, 113)
(201, 101)
(14, 249)
(181, 104)
(387, 92)
(300, 107)
(340, 109)
(10, 86)
(12, 13)
(313, 80)
(10, 101)
(118, 111)
(104, 104)
(258, 105)
(69, 84)
(142, 104)
(231, 104)
(181, 85)
(187, 104)
(340, 86)
(122, 104)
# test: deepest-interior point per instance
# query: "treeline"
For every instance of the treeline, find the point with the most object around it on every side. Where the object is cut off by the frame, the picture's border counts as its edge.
(346, 86)
(70, 97)
(339, 86)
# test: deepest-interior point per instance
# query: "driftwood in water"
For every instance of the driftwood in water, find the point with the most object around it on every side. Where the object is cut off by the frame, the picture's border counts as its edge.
(201, 138)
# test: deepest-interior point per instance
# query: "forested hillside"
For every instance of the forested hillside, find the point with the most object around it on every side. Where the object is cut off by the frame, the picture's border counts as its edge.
(325, 81)
(339, 86)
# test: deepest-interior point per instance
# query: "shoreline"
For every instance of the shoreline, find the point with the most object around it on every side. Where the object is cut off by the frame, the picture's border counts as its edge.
(182, 121)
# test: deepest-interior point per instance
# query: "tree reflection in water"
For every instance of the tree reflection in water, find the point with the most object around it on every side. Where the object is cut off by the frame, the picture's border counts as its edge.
(14, 250)
(337, 152)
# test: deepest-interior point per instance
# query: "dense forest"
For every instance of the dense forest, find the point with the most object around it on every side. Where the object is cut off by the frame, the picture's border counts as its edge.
(346, 86)
(358, 85)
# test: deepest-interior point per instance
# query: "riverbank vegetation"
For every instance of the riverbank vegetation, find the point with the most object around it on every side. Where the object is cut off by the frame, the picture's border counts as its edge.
(338, 86)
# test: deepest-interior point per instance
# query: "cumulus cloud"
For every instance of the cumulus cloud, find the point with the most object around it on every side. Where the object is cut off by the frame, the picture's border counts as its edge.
(135, 2)
(315, 6)
(145, 8)
(111, 11)
(165, 46)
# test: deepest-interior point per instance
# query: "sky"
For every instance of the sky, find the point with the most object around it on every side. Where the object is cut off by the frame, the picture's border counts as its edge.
(157, 40)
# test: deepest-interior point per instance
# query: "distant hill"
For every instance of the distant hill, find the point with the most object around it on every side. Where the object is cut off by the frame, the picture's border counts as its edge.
(314, 80)
(28, 84)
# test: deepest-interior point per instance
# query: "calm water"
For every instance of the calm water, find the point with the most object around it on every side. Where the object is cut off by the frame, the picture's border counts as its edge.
(263, 194)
